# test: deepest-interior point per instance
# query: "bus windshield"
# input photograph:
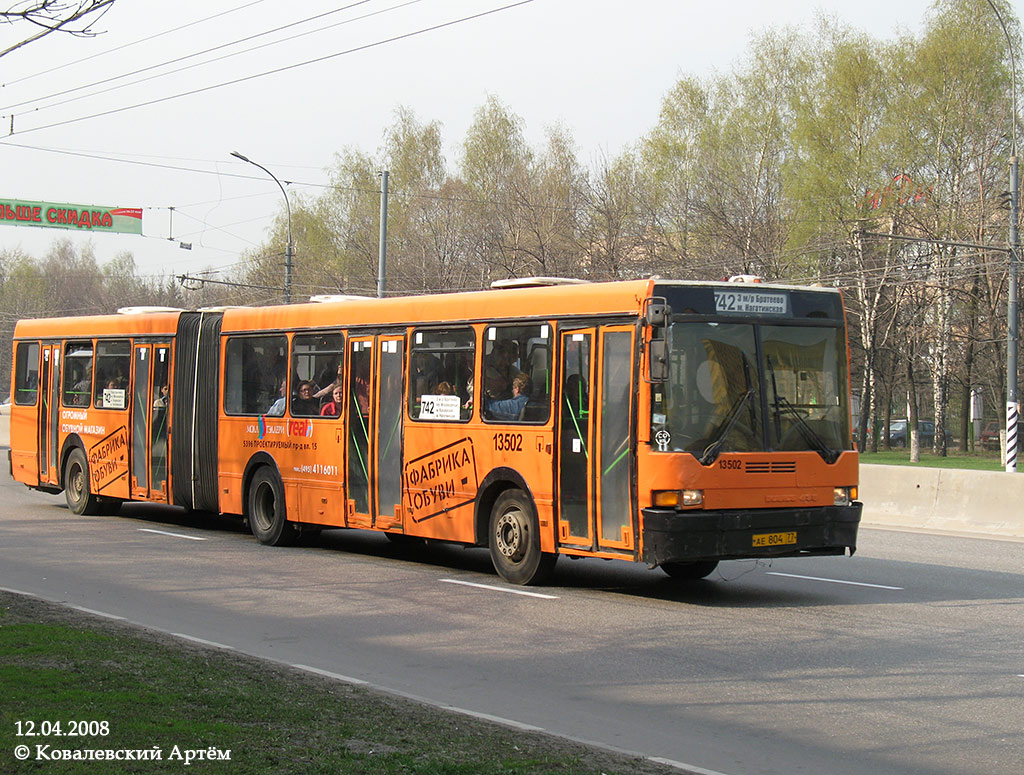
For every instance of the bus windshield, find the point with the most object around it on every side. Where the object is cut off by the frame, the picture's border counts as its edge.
(743, 387)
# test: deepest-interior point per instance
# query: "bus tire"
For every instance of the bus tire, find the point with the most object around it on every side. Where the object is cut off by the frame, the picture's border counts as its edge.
(268, 517)
(514, 540)
(76, 485)
(689, 571)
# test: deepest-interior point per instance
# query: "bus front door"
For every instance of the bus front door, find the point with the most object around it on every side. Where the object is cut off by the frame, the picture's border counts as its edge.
(150, 399)
(594, 498)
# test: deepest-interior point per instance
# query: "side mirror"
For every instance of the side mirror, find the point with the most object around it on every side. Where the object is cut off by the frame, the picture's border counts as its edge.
(657, 314)
(657, 360)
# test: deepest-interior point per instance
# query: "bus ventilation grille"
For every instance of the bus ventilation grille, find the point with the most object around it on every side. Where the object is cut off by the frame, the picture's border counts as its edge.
(771, 467)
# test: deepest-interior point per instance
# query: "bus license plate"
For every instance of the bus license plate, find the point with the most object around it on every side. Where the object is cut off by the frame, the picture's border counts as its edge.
(774, 539)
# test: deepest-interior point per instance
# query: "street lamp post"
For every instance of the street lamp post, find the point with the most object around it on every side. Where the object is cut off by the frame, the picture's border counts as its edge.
(288, 210)
(1011, 290)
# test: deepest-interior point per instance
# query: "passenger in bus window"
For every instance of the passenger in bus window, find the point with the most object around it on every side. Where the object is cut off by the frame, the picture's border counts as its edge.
(468, 405)
(160, 402)
(277, 408)
(511, 408)
(328, 390)
(362, 391)
(304, 404)
(423, 374)
(500, 369)
(333, 407)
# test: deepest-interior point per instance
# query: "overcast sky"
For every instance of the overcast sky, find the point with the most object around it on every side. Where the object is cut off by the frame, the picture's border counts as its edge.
(597, 67)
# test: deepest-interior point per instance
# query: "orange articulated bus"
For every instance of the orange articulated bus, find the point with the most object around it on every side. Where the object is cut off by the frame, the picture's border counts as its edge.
(672, 423)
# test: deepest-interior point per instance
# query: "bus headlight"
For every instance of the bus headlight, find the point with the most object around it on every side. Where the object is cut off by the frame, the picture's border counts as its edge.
(693, 497)
(844, 496)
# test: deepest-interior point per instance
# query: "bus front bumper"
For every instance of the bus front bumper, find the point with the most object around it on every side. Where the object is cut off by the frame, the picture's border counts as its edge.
(689, 536)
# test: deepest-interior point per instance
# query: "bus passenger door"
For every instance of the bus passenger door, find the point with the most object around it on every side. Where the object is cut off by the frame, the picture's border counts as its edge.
(49, 414)
(594, 497)
(388, 432)
(150, 398)
(575, 454)
(360, 420)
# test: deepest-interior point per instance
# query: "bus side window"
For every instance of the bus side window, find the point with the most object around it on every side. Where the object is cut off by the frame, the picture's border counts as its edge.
(517, 374)
(26, 374)
(317, 369)
(77, 373)
(440, 376)
(255, 375)
(113, 365)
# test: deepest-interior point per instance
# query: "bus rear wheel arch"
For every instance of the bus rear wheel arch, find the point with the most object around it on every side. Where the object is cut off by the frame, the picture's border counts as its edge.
(266, 509)
(513, 537)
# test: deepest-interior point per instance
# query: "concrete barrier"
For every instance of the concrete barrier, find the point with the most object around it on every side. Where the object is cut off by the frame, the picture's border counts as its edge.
(944, 499)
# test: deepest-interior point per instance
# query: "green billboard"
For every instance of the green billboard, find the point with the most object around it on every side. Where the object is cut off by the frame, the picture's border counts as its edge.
(50, 215)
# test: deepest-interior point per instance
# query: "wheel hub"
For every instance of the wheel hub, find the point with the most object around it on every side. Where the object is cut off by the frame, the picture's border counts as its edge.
(509, 535)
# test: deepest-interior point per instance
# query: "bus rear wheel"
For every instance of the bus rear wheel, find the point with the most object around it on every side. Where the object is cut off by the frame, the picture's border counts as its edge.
(514, 541)
(76, 485)
(268, 518)
(689, 571)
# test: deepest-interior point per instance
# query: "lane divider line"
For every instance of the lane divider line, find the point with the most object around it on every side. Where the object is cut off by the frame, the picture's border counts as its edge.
(165, 533)
(831, 581)
(541, 595)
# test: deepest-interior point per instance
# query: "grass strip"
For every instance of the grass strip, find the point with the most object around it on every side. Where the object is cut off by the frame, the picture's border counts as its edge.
(161, 693)
(972, 461)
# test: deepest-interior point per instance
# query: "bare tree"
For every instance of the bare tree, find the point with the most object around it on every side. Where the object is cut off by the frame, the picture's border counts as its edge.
(72, 17)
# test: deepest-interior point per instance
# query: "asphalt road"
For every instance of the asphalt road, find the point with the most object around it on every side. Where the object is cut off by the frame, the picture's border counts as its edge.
(906, 658)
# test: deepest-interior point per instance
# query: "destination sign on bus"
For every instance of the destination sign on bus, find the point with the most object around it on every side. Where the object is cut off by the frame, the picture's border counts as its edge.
(751, 302)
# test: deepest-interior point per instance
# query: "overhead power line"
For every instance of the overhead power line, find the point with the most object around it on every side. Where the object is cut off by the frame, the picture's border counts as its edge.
(277, 70)
(200, 53)
(129, 45)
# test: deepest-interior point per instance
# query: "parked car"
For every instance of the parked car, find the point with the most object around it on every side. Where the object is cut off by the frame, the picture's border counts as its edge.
(990, 435)
(989, 438)
(898, 436)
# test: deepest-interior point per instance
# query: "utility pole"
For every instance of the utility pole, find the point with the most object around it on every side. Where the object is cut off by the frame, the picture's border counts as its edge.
(382, 250)
(1012, 411)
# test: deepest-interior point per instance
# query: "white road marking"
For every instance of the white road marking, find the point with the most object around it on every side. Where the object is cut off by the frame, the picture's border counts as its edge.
(173, 535)
(832, 581)
(98, 613)
(500, 589)
(202, 642)
(690, 768)
(336, 676)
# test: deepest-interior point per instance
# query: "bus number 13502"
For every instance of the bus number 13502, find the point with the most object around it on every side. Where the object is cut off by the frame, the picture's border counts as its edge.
(508, 442)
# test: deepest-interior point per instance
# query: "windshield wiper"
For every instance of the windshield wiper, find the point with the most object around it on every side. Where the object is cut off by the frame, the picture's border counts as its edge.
(713, 449)
(810, 435)
(814, 441)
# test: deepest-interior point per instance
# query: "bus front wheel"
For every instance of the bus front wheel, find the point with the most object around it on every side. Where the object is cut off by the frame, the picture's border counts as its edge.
(689, 571)
(268, 518)
(514, 540)
(76, 485)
